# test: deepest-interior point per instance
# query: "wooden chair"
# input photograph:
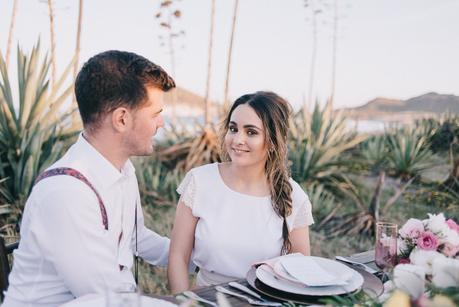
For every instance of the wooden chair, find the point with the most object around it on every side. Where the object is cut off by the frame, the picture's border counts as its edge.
(5, 250)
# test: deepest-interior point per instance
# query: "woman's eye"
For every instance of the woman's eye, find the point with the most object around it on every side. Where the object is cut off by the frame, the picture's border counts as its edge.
(232, 129)
(252, 132)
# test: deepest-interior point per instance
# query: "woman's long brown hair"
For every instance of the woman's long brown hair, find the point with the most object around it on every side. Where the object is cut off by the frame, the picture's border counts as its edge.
(274, 112)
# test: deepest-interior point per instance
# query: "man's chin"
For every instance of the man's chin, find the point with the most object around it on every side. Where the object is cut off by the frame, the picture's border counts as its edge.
(144, 153)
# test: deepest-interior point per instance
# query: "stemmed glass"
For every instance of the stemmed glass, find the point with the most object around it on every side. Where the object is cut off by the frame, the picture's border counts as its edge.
(386, 246)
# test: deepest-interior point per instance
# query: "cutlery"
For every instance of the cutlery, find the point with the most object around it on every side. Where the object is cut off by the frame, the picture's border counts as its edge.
(362, 265)
(246, 290)
(196, 297)
(248, 299)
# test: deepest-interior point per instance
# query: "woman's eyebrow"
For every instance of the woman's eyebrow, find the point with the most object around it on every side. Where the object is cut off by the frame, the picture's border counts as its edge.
(252, 126)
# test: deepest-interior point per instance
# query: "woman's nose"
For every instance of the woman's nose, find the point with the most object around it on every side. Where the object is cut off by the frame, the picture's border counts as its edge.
(239, 138)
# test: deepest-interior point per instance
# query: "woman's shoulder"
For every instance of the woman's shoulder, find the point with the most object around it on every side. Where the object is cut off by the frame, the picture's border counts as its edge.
(202, 172)
(299, 196)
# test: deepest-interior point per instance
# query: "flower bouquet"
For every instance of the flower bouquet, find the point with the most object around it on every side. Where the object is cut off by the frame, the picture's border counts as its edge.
(420, 242)
(428, 253)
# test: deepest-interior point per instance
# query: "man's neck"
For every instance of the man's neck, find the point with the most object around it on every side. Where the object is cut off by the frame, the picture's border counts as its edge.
(107, 147)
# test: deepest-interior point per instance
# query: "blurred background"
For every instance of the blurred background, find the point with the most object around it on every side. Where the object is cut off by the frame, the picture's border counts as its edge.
(374, 87)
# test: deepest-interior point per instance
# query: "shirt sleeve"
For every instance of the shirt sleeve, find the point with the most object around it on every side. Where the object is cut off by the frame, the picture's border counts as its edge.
(152, 247)
(303, 216)
(302, 208)
(187, 190)
(71, 235)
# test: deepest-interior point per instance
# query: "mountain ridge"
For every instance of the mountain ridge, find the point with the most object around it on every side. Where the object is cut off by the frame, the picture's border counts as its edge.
(427, 105)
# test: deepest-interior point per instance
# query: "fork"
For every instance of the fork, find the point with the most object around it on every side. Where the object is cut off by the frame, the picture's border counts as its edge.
(362, 265)
(248, 299)
(196, 297)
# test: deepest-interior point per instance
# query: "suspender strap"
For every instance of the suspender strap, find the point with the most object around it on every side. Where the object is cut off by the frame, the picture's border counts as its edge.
(76, 174)
(136, 255)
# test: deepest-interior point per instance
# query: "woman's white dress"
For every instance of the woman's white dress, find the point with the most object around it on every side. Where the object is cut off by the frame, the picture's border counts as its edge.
(235, 230)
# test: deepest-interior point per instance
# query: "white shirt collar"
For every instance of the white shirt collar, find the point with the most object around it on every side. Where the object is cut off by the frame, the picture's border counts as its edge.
(103, 170)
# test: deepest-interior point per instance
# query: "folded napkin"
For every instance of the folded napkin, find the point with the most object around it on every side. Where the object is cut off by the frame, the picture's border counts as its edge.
(309, 272)
(306, 270)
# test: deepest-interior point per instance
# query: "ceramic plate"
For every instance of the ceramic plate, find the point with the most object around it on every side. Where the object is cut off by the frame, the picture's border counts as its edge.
(267, 276)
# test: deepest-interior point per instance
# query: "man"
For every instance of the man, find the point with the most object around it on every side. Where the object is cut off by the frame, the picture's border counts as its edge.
(83, 220)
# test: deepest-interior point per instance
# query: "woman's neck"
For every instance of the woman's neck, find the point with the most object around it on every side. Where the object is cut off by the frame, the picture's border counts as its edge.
(247, 179)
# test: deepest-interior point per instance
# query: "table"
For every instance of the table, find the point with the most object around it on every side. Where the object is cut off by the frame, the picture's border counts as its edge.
(370, 283)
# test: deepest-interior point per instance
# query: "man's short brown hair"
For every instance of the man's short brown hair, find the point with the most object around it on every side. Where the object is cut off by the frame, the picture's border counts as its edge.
(114, 78)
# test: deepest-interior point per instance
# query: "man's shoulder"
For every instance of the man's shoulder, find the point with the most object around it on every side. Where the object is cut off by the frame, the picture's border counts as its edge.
(59, 186)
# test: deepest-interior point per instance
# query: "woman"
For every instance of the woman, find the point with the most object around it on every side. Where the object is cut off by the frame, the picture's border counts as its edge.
(245, 210)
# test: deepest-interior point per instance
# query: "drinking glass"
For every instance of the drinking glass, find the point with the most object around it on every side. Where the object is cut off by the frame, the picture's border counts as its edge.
(123, 297)
(386, 246)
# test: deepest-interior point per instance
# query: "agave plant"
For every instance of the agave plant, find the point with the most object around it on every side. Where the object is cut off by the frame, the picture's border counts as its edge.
(201, 148)
(157, 183)
(374, 152)
(34, 127)
(316, 143)
(367, 202)
(408, 153)
(324, 204)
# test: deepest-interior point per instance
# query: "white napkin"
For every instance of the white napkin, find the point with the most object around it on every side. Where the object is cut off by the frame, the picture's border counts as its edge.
(308, 272)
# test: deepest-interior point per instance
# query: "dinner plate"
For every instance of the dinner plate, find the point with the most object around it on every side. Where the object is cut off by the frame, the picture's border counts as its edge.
(267, 276)
(372, 286)
(98, 300)
(345, 273)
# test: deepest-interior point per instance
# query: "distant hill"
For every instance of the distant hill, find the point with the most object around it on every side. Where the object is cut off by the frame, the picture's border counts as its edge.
(427, 105)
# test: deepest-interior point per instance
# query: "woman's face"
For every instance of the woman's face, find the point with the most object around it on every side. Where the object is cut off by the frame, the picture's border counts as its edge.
(245, 139)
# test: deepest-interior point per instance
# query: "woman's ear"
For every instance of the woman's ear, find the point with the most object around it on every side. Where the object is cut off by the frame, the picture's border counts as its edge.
(121, 119)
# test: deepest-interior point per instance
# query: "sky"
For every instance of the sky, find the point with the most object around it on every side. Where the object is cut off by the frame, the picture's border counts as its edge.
(386, 48)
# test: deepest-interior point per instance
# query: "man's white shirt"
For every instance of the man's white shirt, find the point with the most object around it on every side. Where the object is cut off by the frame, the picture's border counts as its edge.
(65, 250)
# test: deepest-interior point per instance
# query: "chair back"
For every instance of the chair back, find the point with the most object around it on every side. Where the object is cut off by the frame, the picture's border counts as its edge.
(5, 250)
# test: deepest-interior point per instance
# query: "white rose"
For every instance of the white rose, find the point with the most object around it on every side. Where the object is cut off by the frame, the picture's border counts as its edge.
(410, 279)
(437, 223)
(424, 258)
(445, 272)
(450, 236)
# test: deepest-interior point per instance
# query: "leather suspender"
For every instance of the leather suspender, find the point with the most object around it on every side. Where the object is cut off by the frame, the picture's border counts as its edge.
(76, 174)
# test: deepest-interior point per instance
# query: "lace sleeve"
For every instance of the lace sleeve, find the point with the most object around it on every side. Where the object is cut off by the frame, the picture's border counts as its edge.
(304, 216)
(187, 189)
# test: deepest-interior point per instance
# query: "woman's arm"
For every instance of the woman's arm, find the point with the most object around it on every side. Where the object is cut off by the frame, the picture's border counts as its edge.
(299, 237)
(182, 241)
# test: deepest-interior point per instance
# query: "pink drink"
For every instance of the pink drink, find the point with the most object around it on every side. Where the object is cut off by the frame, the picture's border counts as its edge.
(386, 246)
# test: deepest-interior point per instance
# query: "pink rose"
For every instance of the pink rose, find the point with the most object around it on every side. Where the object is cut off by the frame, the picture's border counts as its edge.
(450, 250)
(452, 224)
(412, 229)
(428, 241)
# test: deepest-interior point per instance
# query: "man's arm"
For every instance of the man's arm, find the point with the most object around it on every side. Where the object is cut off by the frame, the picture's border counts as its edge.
(152, 247)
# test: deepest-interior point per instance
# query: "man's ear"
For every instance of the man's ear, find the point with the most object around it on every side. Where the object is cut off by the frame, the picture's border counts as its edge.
(121, 119)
